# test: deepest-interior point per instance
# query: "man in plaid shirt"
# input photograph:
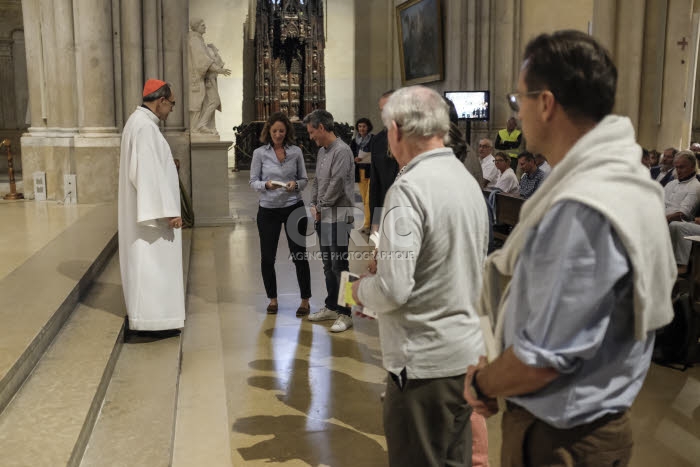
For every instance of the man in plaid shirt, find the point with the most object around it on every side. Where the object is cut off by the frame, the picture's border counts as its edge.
(532, 175)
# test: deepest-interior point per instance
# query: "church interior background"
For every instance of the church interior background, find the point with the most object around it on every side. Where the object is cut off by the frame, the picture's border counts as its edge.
(239, 387)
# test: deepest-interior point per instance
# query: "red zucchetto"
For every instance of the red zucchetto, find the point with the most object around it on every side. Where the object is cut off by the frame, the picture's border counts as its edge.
(152, 85)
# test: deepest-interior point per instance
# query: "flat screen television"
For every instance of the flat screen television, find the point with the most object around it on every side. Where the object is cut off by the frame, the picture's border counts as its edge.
(471, 105)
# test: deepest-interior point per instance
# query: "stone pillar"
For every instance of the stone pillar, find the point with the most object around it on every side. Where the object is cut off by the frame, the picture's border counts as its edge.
(33, 47)
(49, 145)
(59, 53)
(19, 61)
(174, 33)
(7, 86)
(95, 60)
(132, 56)
(152, 58)
(604, 25)
(477, 50)
(175, 19)
(486, 41)
(97, 146)
(504, 53)
(455, 33)
(619, 26)
(630, 38)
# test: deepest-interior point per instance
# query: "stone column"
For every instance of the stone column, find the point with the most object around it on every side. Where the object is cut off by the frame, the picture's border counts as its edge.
(19, 61)
(7, 85)
(49, 145)
(152, 57)
(132, 55)
(454, 31)
(174, 33)
(605, 24)
(95, 64)
(630, 38)
(175, 24)
(504, 50)
(486, 44)
(59, 53)
(97, 146)
(619, 26)
(35, 61)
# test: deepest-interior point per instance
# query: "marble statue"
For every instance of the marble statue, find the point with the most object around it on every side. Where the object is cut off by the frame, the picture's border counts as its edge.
(205, 65)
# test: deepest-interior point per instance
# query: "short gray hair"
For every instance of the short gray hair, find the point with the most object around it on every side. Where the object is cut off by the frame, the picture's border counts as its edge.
(420, 112)
(687, 154)
(320, 117)
(488, 141)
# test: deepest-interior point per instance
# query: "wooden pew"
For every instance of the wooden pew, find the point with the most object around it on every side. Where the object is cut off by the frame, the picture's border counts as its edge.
(507, 210)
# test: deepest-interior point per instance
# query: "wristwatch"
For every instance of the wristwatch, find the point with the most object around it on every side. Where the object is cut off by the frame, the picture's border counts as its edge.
(477, 390)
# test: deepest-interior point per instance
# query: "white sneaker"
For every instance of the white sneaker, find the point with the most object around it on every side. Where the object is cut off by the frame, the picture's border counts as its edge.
(343, 323)
(323, 314)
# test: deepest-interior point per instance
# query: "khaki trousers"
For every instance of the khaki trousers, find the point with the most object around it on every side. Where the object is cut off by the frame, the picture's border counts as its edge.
(364, 192)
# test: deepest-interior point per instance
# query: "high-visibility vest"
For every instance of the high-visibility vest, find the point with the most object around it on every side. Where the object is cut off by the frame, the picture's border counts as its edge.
(510, 138)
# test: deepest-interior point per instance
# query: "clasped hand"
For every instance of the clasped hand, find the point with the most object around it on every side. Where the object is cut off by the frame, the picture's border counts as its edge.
(175, 222)
(484, 406)
(290, 186)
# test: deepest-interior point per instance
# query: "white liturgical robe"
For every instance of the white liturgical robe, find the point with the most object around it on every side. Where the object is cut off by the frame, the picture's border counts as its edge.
(150, 252)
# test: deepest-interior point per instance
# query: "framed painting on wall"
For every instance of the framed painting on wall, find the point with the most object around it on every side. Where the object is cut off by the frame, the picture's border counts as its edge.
(420, 41)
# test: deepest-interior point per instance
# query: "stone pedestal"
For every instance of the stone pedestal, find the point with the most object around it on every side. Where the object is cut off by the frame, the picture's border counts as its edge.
(209, 161)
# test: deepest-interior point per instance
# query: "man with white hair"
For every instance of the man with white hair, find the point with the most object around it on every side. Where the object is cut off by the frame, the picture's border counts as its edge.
(681, 195)
(488, 166)
(664, 173)
(434, 237)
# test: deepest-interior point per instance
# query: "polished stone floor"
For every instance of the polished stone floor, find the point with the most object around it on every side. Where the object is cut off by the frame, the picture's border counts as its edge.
(27, 226)
(299, 395)
(262, 390)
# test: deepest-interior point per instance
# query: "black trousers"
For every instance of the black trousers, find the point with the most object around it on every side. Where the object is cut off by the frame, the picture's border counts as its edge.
(270, 221)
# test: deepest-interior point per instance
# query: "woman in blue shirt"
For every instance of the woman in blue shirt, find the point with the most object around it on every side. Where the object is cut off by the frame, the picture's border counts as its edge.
(278, 173)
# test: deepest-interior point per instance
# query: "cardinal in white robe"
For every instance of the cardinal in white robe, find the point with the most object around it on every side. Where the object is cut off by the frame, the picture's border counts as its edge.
(150, 239)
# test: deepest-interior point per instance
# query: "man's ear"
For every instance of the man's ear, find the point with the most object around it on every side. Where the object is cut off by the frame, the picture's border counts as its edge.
(547, 103)
(397, 130)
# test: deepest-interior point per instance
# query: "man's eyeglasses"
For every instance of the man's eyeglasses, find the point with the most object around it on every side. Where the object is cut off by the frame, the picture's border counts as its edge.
(515, 97)
(172, 103)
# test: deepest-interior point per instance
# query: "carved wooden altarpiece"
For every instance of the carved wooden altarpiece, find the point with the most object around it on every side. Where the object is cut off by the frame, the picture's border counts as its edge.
(289, 44)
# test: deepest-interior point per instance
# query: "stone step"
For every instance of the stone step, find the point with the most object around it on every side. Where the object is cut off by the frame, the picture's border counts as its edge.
(39, 296)
(203, 405)
(136, 423)
(49, 421)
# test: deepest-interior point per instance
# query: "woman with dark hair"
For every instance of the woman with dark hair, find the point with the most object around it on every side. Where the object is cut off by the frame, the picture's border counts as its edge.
(278, 173)
(360, 146)
(454, 139)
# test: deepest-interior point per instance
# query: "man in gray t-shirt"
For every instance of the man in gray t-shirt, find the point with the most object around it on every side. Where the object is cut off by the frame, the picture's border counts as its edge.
(332, 192)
